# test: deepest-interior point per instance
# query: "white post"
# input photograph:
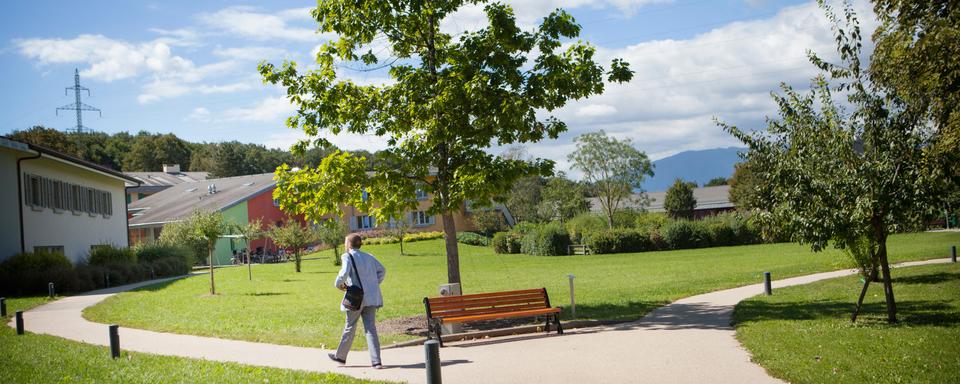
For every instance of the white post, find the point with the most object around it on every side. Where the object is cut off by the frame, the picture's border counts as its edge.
(573, 302)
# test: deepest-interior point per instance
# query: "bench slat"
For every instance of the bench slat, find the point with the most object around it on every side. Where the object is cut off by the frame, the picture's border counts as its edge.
(487, 310)
(529, 313)
(444, 299)
(489, 302)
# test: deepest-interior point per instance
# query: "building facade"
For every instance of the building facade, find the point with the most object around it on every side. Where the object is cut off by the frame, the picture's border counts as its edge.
(57, 203)
(244, 199)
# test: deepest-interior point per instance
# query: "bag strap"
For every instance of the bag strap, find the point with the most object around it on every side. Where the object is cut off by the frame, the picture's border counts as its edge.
(355, 270)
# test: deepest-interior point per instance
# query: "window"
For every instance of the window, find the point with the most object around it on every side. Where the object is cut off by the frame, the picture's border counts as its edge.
(420, 218)
(48, 249)
(365, 222)
(421, 194)
(41, 192)
(365, 195)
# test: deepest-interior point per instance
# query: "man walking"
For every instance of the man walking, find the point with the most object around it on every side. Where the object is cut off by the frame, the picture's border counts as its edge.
(370, 273)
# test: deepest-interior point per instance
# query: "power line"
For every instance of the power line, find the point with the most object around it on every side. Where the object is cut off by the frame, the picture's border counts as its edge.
(78, 106)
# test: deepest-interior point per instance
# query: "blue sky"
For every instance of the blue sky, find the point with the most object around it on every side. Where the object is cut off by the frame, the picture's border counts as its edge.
(190, 67)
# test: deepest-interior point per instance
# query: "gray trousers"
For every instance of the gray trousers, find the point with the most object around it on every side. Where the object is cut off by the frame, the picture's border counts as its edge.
(369, 315)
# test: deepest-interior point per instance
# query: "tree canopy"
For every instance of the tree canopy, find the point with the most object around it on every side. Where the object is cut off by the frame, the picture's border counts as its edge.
(613, 168)
(679, 201)
(449, 98)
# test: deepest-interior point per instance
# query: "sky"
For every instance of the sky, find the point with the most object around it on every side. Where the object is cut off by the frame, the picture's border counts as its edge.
(189, 67)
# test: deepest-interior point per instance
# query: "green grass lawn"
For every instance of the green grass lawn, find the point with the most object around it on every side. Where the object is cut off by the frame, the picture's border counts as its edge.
(803, 334)
(281, 306)
(47, 359)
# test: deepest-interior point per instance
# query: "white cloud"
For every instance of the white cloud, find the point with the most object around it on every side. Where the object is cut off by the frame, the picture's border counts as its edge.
(199, 114)
(270, 109)
(108, 59)
(531, 12)
(251, 23)
(251, 53)
(596, 110)
(680, 85)
(346, 141)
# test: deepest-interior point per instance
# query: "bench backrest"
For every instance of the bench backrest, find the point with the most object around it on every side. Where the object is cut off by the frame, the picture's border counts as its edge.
(486, 303)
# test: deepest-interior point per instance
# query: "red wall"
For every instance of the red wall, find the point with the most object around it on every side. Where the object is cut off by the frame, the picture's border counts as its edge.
(261, 207)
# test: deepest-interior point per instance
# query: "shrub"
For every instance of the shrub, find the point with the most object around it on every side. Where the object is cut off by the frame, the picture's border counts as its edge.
(650, 222)
(410, 237)
(626, 218)
(620, 241)
(685, 234)
(168, 266)
(506, 242)
(547, 240)
(524, 227)
(471, 238)
(581, 226)
(108, 254)
(28, 273)
(148, 253)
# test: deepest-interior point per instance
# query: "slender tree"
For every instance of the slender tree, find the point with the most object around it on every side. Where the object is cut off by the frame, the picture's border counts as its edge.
(332, 232)
(293, 236)
(449, 99)
(250, 232)
(839, 174)
(208, 227)
(614, 169)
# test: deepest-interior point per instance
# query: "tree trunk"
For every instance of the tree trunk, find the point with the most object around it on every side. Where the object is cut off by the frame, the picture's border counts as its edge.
(401, 245)
(863, 293)
(249, 267)
(213, 289)
(296, 260)
(887, 280)
(453, 252)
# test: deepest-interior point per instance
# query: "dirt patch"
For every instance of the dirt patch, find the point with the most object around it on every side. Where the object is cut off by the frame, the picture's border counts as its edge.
(417, 325)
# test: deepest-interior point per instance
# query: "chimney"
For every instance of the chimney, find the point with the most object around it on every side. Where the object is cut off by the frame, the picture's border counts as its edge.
(171, 168)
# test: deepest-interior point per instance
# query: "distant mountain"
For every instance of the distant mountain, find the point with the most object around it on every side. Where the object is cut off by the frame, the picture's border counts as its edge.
(699, 166)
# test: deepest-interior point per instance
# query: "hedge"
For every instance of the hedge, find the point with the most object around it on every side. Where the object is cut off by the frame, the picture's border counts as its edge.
(29, 273)
(546, 240)
(620, 241)
(471, 238)
(506, 242)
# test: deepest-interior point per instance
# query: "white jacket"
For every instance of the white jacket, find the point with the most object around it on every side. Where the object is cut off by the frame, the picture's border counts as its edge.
(371, 275)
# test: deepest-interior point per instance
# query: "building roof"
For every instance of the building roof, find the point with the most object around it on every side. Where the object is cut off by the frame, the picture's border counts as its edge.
(707, 198)
(152, 182)
(44, 151)
(180, 200)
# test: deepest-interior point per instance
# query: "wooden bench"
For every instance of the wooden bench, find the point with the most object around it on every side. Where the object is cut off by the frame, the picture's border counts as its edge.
(579, 249)
(489, 306)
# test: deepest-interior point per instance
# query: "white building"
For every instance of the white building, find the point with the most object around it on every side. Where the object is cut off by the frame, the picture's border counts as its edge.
(57, 203)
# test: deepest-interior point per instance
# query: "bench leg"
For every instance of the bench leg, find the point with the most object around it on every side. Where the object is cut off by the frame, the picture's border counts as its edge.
(559, 327)
(436, 328)
(547, 327)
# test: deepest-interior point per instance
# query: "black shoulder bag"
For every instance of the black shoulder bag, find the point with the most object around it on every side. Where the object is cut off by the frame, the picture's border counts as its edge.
(353, 297)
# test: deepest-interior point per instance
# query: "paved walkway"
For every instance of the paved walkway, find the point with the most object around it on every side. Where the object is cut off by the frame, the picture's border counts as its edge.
(687, 341)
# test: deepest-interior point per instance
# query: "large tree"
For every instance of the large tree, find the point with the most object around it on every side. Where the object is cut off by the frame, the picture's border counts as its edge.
(843, 174)
(449, 98)
(614, 168)
(679, 201)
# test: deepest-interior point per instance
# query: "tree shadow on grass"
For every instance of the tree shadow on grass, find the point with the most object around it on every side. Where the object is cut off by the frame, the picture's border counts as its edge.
(930, 278)
(911, 313)
(266, 294)
(628, 311)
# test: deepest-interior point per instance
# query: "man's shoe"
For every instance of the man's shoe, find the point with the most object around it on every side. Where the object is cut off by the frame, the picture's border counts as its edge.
(378, 366)
(334, 358)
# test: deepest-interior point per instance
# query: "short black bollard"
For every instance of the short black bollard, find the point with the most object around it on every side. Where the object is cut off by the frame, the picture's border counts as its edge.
(50, 290)
(19, 315)
(953, 253)
(3, 307)
(433, 361)
(114, 341)
(767, 287)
